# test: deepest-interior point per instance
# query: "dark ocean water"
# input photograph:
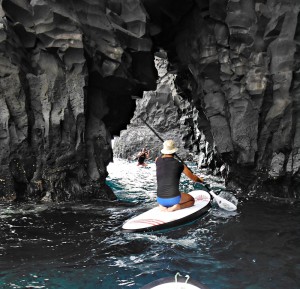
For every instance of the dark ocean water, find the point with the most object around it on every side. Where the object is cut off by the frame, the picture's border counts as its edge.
(82, 245)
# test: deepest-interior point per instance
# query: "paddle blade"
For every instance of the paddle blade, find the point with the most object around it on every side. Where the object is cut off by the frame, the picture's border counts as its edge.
(226, 205)
(223, 203)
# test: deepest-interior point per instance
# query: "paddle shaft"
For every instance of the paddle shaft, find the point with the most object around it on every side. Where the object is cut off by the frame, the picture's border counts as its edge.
(163, 141)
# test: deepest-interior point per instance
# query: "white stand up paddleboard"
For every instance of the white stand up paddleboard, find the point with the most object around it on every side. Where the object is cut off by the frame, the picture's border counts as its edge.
(178, 283)
(155, 219)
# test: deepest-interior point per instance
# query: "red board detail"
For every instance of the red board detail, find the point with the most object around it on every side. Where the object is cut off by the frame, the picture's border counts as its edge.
(152, 222)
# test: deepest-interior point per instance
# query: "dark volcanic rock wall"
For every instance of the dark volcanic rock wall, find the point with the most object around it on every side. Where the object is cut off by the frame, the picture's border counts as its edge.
(68, 70)
(240, 62)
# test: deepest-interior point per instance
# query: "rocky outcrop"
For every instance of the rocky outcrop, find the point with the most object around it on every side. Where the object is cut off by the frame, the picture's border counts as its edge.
(70, 72)
(167, 113)
(243, 61)
(237, 63)
(67, 73)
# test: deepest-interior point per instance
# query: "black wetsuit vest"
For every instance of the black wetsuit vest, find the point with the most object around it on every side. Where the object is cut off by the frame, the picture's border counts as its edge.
(168, 172)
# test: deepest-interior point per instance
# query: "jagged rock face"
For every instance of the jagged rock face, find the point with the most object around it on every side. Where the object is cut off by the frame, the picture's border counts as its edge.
(68, 70)
(243, 57)
(238, 64)
(172, 117)
(167, 113)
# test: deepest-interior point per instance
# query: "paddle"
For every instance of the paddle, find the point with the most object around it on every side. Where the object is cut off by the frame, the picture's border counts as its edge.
(222, 203)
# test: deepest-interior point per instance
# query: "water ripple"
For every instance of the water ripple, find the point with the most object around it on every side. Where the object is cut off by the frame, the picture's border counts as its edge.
(74, 245)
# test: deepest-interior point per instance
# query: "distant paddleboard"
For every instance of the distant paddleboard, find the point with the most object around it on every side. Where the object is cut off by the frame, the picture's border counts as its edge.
(155, 219)
(170, 283)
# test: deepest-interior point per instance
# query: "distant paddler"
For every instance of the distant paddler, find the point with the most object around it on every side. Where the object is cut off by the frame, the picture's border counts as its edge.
(142, 156)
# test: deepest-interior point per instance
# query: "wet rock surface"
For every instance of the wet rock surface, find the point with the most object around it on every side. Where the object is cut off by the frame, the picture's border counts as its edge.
(70, 72)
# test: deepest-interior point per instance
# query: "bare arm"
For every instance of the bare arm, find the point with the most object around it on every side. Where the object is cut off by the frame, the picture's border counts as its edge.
(190, 175)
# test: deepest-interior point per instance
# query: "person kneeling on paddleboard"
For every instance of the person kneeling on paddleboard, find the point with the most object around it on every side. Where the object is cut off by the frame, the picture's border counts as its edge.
(168, 173)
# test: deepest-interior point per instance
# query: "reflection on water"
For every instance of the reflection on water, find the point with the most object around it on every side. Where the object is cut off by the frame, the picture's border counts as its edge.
(82, 246)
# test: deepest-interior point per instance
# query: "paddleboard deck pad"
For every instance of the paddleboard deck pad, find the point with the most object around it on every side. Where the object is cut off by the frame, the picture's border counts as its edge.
(155, 219)
(169, 283)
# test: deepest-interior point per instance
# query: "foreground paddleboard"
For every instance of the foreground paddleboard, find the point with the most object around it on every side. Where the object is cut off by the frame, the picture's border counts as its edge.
(169, 283)
(155, 219)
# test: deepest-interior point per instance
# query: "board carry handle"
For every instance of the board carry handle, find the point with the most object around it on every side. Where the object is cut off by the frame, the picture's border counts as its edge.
(222, 203)
(186, 276)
